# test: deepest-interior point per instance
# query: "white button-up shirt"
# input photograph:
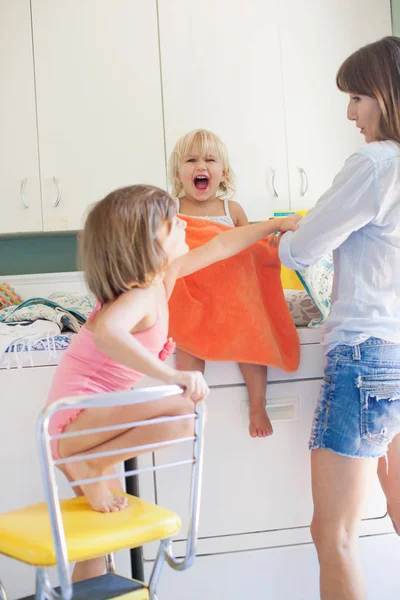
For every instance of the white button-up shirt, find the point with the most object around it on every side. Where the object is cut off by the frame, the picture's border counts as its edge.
(359, 219)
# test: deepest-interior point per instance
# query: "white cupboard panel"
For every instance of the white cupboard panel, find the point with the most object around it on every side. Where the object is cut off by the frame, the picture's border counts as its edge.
(316, 38)
(221, 71)
(23, 393)
(20, 205)
(99, 102)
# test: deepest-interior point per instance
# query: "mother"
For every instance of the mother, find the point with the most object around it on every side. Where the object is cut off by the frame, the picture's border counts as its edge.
(357, 420)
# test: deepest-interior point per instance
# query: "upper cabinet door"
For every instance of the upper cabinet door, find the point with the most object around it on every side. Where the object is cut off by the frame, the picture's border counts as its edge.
(99, 102)
(20, 208)
(316, 37)
(221, 71)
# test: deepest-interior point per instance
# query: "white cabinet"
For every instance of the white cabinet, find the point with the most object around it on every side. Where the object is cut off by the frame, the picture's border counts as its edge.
(262, 76)
(316, 37)
(254, 539)
(256, 492)
(117, 83)
(289, 573)
(20, 207)
(269, 574)
(221, 71)
(22, 395)
(99, 102)
(265, 483)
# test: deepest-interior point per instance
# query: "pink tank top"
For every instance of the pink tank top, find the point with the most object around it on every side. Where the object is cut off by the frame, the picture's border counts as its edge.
(84, 369)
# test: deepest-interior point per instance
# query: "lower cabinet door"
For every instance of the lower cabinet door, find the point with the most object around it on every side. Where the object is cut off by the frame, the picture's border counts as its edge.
(289, 573)
(249, 485)
(23, 393)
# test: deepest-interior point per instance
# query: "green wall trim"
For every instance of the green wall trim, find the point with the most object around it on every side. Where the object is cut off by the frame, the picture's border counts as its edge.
(44, 253)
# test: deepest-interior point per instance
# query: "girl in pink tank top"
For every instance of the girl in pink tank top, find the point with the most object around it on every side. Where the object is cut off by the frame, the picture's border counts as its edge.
(133, 249)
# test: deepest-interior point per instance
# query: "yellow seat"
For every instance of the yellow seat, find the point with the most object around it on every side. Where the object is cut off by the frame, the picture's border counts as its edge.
(25, 534)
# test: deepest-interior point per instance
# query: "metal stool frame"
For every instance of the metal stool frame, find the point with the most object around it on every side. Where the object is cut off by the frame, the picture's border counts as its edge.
(44, 590)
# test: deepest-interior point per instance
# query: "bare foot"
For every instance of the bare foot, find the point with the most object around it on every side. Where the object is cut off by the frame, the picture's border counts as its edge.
(260, 425)
(97, 494)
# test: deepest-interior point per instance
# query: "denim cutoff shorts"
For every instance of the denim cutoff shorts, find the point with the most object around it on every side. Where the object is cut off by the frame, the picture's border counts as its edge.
(358, 410)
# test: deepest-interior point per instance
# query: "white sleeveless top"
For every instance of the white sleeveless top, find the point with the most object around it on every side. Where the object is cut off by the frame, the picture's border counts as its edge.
(225, 219)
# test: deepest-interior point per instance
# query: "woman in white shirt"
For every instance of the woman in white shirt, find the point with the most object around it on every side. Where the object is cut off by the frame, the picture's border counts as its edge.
(357, 420)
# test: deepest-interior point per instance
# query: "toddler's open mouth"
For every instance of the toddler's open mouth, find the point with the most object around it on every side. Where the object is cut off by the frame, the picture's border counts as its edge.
(201, 182)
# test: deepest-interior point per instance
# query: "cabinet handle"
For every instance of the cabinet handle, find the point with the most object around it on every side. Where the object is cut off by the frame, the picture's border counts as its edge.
(57, 201)
(304, 187)
(273, 184)
(22, 192)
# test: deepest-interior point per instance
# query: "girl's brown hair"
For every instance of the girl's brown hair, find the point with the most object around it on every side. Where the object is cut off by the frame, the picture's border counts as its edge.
(119, 246)
(374, 71)
(204, 142)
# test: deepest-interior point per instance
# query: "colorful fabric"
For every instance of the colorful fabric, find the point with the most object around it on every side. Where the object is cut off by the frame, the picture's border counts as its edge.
(8, 296)
(301, 307)
(67, 310)
(317, 281)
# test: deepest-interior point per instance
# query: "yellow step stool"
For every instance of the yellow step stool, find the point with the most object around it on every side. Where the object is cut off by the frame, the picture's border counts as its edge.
(57, 532)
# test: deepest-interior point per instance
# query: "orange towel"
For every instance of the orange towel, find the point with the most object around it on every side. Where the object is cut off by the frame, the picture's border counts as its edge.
(234, 310)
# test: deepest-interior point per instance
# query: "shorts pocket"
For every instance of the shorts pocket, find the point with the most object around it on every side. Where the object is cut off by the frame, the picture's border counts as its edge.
(380, 407)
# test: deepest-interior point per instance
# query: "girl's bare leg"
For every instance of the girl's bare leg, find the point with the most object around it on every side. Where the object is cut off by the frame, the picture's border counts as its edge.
(88, 569)
(187, 362)
(255, 378)
(99, 494)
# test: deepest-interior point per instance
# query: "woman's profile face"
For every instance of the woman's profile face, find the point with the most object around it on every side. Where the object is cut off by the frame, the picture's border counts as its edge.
(366, 113)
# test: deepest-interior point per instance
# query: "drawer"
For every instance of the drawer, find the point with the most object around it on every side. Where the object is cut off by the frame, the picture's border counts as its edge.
(278, 573)
(239, 575)
(249, 485)
(309, 335)
(312, 361)
(311, 366)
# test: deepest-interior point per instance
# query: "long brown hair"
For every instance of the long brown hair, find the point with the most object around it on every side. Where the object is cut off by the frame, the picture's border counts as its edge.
(374, 71)
(119, 245)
